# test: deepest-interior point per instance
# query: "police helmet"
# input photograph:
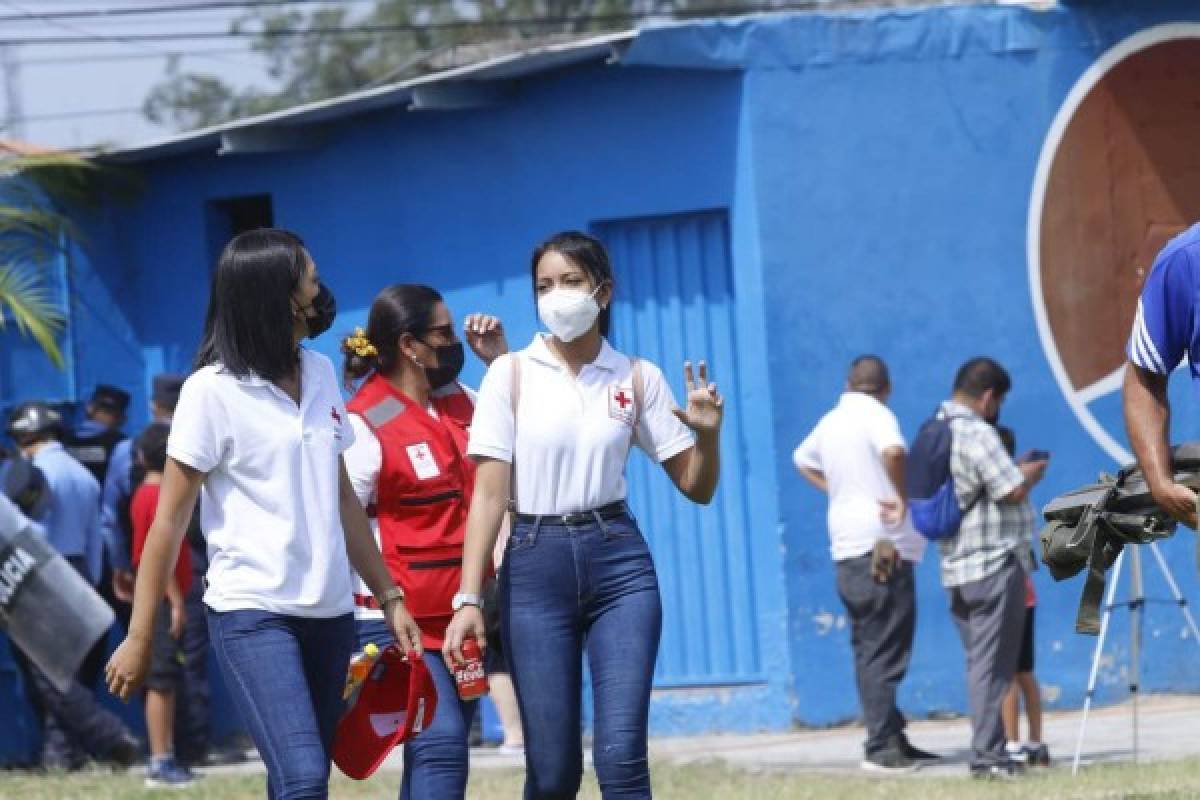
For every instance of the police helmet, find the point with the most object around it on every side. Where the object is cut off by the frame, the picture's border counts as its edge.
(31, 419)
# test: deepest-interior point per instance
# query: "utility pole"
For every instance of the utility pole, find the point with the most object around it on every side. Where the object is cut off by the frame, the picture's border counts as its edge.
(14, 113)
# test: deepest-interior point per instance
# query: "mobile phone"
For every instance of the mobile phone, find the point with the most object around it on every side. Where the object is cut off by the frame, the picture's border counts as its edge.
(1036, 455)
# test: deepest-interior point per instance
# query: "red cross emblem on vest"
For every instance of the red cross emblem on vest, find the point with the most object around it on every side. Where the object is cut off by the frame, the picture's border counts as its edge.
(623, 400)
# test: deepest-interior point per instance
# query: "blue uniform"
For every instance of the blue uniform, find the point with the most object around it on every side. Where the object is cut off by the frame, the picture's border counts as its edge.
(72, 519)
(1165, 328)
(118, 489)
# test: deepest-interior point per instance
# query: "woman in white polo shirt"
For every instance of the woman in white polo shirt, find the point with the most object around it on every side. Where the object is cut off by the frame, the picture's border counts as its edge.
(258, 434)
(561, 416)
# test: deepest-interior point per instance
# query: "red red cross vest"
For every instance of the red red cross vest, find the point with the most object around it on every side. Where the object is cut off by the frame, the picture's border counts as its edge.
(422, 495)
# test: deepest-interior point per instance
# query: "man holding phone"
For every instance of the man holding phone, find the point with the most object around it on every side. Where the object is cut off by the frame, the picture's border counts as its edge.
(985, 565)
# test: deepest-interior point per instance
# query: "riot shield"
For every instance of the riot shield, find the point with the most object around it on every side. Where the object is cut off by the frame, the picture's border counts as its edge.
(47, 608)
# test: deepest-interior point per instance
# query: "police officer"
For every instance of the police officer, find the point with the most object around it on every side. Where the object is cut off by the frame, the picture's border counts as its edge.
(95, 444)
(73, 723)
(94, 441)
(120, 480)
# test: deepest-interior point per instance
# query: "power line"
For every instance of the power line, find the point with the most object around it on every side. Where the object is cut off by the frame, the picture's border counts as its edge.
(135, 39)
(206, 5)
(395, 28)
(139, 56)
(94, 112)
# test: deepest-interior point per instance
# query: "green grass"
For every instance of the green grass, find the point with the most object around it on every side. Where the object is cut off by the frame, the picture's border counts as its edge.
(1172, 780)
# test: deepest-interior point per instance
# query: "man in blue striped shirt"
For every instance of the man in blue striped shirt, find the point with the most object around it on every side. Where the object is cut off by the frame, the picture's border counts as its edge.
(1164, 332)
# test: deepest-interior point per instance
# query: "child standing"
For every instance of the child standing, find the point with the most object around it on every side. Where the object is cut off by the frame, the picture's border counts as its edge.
(166, 659)
(1032, 752)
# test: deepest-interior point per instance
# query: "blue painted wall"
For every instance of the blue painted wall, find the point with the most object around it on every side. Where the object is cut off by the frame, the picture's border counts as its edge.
(458, 200)
(893, 156)
(876, 174)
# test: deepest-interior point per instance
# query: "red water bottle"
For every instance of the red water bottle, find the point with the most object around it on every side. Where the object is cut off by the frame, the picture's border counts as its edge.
(469, 674)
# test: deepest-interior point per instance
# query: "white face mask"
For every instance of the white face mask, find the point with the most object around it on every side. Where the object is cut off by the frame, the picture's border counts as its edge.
(568, 313)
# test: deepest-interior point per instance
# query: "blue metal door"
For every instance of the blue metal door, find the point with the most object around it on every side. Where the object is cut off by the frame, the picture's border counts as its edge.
(675, 302)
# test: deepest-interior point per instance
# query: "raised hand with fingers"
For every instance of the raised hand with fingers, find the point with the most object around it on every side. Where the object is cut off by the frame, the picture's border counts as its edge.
(705, 405)
(485, 336)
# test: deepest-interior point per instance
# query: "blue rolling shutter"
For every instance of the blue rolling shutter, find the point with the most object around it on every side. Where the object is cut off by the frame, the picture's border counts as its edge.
(675, 302)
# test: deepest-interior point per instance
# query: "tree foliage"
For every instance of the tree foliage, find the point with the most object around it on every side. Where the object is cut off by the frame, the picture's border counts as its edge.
(319, 63)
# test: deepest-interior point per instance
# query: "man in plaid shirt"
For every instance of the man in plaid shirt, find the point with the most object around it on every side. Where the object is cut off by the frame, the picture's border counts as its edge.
(984, 566)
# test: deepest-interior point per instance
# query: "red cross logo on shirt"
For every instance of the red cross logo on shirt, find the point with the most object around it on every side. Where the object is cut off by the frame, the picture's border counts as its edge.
(620, 404)
(336, 416)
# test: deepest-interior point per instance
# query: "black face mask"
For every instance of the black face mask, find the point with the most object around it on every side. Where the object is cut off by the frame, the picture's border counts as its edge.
(324, 308)
(993, 419)
(450, 362)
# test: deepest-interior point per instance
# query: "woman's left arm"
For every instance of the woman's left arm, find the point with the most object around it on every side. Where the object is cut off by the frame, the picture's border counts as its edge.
(368, 563)
(696, 470)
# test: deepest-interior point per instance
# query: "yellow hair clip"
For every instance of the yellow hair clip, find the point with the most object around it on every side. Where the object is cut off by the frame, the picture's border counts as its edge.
(360, 344)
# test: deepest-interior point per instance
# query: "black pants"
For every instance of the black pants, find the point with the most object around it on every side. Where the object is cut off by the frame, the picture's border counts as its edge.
(74, 724)
(192, 733)
(883, 618)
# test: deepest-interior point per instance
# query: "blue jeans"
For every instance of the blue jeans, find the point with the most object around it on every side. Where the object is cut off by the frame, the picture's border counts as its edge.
(566, 591)
(435, 760)
(285, 675)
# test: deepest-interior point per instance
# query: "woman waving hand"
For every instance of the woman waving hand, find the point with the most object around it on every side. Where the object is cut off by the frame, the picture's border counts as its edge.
(552, 431)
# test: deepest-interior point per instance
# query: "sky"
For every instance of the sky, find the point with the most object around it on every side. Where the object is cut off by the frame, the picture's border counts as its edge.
(89, 93)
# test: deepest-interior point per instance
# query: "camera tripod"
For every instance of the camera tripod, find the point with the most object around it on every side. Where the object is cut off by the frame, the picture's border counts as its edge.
(1136, 604)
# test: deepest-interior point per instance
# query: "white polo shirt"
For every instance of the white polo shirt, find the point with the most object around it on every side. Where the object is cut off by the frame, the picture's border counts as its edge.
(573, 434)
(269, 503)
(847, 446)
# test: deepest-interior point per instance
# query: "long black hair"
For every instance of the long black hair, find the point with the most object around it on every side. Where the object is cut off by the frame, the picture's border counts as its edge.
(248, 328)
(585, 252)
(399, 309)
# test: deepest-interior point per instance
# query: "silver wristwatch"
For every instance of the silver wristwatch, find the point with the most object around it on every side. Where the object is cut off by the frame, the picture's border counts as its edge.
(466, 599)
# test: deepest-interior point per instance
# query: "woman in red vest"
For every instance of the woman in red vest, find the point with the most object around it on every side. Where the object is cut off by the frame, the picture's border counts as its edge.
(408, 465)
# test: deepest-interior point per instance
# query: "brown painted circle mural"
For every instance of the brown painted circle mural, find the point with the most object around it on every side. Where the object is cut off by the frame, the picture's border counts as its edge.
(1124, 179)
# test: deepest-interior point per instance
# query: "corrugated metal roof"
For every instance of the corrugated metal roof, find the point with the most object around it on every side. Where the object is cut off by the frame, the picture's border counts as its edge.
(506, 67)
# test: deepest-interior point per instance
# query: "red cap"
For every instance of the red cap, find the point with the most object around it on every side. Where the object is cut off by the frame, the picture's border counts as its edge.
(396, 702)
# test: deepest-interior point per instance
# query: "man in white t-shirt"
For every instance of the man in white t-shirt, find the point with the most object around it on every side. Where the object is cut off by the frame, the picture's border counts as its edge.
(856, 454)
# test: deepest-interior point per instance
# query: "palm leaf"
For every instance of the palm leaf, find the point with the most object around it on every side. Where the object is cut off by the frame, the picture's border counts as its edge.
(40, 197)
(62, 178)
(69, 181)
(27, 303)
(33, 223)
